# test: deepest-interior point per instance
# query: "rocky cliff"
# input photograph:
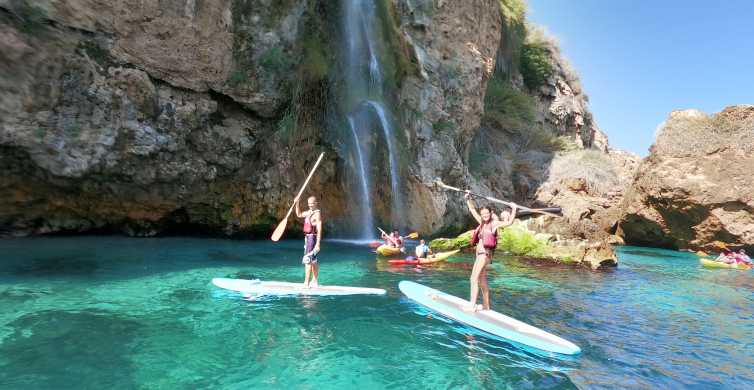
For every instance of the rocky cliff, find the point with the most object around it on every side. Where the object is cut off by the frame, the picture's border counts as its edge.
(694, 188)
(148, 117)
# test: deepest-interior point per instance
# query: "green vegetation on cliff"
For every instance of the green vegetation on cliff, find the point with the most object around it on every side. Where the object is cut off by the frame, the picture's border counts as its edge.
(535, 64)
(513, 112)
(506, 107)
(29, 18)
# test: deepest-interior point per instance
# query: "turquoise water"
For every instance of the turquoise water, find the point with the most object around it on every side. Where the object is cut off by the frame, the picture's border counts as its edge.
(120, 313)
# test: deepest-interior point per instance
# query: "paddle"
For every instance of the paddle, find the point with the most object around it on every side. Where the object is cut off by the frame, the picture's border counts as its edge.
(554, 210)
(280, 229)
(491, 199)
(413, 235)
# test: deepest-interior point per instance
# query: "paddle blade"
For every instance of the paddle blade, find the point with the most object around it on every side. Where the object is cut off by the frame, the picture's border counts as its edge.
(413, 235)
(552, 211)
(279, 230)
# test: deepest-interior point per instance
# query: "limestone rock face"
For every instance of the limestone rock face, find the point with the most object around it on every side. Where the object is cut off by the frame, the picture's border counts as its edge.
(196, 45)
(147, 116)
(694, 188)
(587, 185)
(454, 46)
(150, 116)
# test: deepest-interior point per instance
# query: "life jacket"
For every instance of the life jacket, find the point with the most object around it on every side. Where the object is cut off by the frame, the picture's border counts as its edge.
(489, 239)
(309, 227)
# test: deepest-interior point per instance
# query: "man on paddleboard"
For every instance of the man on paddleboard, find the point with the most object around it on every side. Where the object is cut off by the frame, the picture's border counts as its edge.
(312, 239)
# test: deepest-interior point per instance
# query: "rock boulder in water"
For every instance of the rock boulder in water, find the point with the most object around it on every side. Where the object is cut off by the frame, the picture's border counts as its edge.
(696, 185)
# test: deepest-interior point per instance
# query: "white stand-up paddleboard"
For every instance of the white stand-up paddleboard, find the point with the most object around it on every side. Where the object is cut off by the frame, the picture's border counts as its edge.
(258, 287)
(486, 320)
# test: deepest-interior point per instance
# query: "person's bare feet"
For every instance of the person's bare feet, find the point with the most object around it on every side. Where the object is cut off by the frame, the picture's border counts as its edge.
(472, 309)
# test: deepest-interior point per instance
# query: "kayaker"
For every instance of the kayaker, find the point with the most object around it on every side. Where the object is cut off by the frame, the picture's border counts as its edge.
(391, 240)
(398, 239)
(401, 242)
(742, 257)
(485, 240)
(422, 250)
(312, 238)
(725, 258)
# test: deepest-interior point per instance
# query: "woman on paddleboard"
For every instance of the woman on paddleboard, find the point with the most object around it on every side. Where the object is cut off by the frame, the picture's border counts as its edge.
(485, 240)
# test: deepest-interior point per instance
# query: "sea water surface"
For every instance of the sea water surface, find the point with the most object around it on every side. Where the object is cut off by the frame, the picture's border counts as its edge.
(124, 313)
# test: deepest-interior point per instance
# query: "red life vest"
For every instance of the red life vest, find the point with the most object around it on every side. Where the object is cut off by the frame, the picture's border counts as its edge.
(310, 228)
(489, 239)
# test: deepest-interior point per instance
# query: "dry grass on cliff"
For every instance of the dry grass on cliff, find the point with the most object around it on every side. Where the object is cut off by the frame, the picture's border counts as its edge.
(593, 166)
(691, 132)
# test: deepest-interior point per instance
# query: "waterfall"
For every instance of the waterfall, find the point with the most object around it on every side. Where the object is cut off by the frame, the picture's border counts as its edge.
(364, 93)
(366, 203)
(388, 133)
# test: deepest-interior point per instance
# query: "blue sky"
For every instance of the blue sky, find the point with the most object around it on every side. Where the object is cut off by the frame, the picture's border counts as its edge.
(639, 60)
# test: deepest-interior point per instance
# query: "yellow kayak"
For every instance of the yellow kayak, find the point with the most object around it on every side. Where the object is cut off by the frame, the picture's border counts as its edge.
(716, 264)
(438, 257)
(385, 250)
(429, 260)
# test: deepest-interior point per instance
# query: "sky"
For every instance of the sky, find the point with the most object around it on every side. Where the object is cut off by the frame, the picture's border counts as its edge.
(639, 60)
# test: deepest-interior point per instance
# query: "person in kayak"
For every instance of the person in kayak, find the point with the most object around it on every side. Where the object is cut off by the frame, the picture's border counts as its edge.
(394, 240)
(743, 257)
(485, 240)
(726, 257)
(422, 250)
(739, 257)
(390, 240)
(399, 240)
(312, 238)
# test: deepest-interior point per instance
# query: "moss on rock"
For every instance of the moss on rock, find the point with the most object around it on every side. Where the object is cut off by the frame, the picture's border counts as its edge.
(449, 244)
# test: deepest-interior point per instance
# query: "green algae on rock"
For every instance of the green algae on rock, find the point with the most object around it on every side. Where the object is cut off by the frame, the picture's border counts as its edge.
(518, 240)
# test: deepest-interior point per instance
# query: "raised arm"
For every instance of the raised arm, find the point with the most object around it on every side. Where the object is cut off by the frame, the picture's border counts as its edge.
(509, 220)
(472, 207)
(299, 214)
